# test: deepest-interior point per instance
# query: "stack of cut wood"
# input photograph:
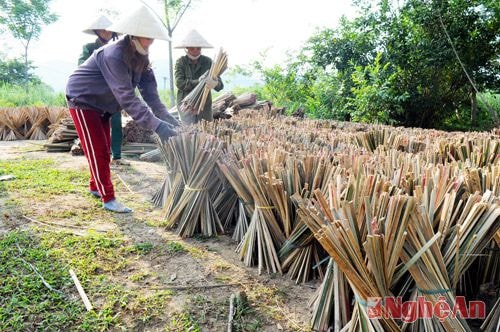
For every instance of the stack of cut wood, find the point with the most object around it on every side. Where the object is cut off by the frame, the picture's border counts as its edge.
(222, 102)
(227, 104)
(132, 133)
(244, 100)
(63, 136)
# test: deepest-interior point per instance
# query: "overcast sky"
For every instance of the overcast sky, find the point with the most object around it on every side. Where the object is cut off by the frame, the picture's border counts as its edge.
(244, 28)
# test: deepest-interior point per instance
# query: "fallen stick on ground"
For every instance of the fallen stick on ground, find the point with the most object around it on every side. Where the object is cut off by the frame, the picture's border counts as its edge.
(231, 314)
(195, 287)
(45, 283)
(125, 184)
(63, 227)
(79, 287)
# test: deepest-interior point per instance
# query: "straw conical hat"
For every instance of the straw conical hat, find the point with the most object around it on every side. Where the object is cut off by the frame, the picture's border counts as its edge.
(141, 23)
(193, 39)
(101, 23)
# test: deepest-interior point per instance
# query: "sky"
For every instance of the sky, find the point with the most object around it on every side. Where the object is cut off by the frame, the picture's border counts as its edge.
(245, 29)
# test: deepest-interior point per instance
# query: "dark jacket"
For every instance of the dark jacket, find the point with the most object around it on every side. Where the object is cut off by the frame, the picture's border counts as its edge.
(187, 76)
(88, 49)
(106, 82)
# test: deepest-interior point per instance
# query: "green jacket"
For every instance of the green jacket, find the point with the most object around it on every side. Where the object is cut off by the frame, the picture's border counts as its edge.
(187, 76)
(88, 49)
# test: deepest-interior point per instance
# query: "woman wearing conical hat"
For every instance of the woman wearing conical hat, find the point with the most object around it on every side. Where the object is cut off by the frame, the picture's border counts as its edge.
(98, 28)
(189, 69)
(105, 84)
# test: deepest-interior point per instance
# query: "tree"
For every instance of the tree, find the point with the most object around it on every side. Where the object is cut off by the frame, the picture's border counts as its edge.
(12, 72)
(24, 19)
(415, 63)
(434, 43)
(174, 11)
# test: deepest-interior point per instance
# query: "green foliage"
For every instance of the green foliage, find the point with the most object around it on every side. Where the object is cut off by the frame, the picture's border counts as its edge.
(375, 99)
(12, 72)
(395, 64)
(37, 95)
(461, 119)
(24, 20)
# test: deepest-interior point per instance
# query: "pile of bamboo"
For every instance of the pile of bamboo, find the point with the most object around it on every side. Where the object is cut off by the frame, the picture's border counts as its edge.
(400, 212)
(28, 122)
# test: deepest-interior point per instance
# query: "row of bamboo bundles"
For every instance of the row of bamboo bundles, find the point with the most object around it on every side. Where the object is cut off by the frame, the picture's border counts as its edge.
(374, 212)
(29, 122)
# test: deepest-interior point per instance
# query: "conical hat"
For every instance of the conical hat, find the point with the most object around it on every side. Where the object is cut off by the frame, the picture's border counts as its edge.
(101, 23)
(141, 23)
(193, 39)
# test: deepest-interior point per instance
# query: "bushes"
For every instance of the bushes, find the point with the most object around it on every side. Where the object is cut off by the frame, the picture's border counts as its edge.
(36, 95)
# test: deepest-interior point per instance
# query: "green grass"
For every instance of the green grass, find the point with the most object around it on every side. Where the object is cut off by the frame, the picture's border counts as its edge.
(40, 180)
(113, 269)
(25, 303)
(97, 258)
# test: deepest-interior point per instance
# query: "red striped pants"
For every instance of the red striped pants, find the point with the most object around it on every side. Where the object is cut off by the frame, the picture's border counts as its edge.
(93, 131)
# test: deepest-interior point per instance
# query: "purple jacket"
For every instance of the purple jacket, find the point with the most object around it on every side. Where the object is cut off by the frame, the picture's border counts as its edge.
(106, 83)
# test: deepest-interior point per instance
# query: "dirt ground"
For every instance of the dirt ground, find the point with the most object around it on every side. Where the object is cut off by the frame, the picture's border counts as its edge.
(190, 274)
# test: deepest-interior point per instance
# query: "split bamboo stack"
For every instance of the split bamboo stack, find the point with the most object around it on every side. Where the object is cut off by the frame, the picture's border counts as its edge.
(401, 212)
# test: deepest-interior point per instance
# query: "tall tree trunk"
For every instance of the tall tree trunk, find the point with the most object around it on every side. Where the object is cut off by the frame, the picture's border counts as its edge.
(26, 67)
(473, 108)
(171, 72)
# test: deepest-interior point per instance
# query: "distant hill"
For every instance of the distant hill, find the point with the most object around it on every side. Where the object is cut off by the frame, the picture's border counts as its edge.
(56, 73)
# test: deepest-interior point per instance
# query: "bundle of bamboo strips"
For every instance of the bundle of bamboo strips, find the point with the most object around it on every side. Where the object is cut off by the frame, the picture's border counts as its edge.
(13, 120)
(330, 303)
(37, 118)
(196, 154)
(264, 233)
(172, 179)
(369, 265)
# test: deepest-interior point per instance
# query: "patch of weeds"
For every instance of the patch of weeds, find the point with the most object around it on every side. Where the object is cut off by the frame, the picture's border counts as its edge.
(89, 254)
(220, 265)
(268, 298)
(209, 313)
(139, 276)
(197, 252)
(25, 302)
(77, 216)
(102, 320)
(245, 317)
(40, 180)
(183, 321)
(248, 325)
(142, 248)
(175, 247)
(145, 308)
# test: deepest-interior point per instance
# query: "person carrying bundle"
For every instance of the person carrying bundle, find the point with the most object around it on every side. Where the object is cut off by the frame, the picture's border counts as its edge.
(190, 69)
(105, 84)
